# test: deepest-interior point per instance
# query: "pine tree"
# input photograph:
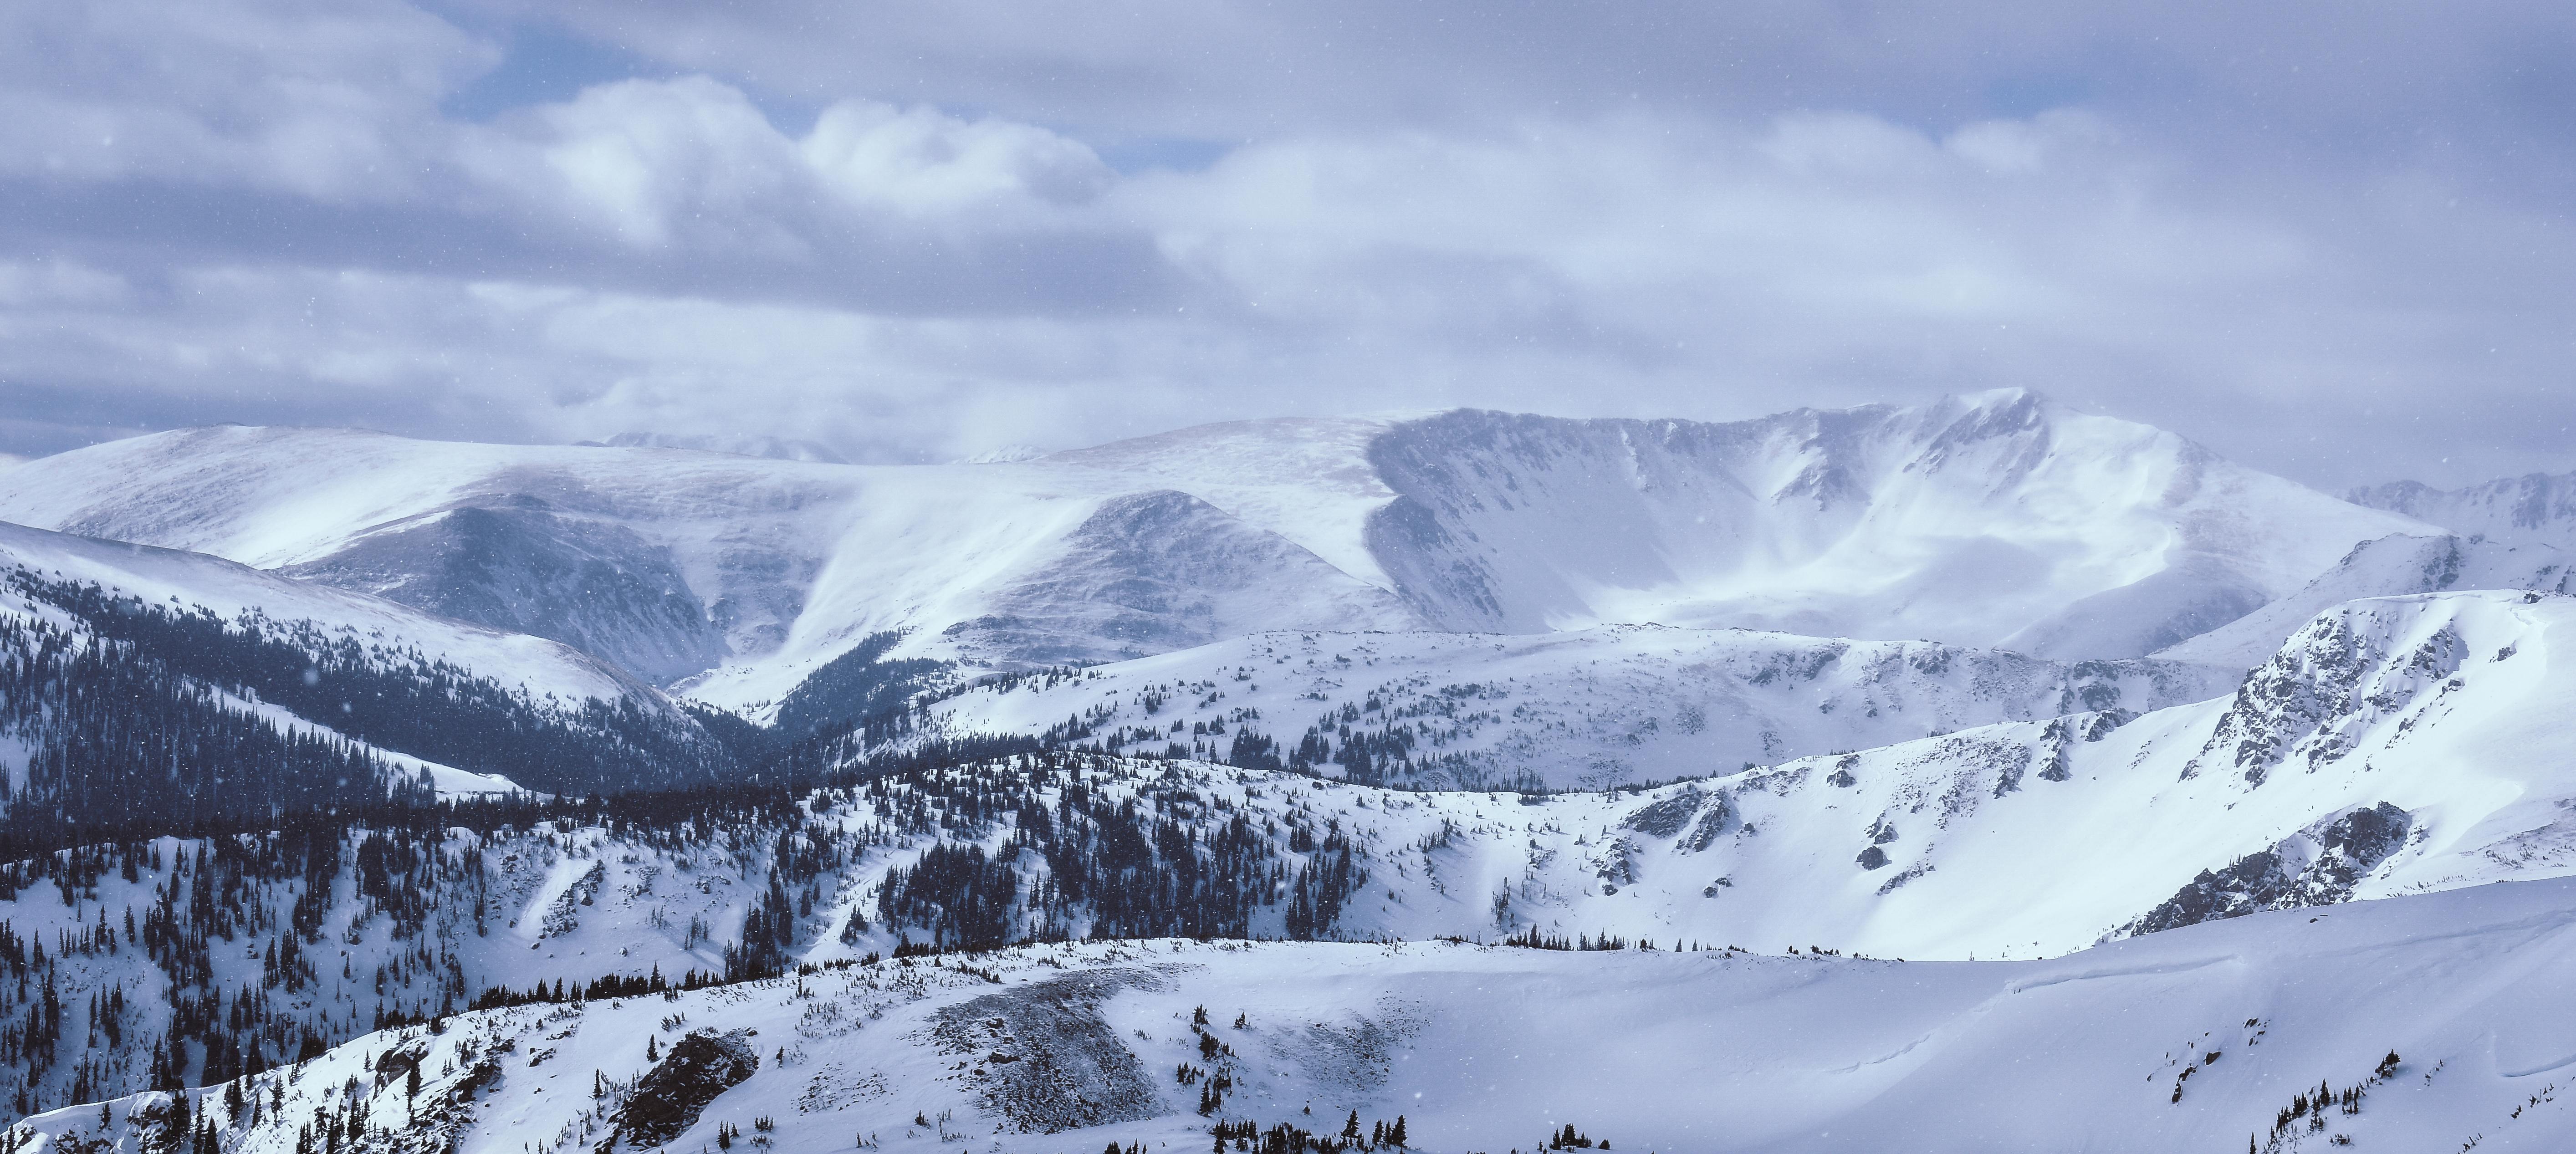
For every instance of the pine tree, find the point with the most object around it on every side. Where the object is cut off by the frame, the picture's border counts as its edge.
(1396, 1135)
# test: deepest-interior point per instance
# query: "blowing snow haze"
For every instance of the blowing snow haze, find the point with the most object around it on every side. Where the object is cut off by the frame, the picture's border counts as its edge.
(651, 578)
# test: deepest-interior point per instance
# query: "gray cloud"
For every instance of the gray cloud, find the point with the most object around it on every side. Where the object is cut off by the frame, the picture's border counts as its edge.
(2330, 242)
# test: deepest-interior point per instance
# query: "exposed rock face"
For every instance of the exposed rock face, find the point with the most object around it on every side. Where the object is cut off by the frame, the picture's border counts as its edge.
(1669, 816)
(2337, 677)
(1048, 1062)
(671, 1095)
(1714, 823)
(2307, 869)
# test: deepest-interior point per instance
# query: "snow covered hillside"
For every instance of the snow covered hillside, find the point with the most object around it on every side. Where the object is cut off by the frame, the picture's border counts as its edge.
(2392, 746)
(139, 681)
(2388, 567)
(1997, 519)
(529, 664)
(1591, 708)
(2396, 746)
(2428, 1023)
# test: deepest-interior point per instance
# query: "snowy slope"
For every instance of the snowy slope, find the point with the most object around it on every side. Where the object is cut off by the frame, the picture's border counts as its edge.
(1993, 519)
(672, 561)
(1590, 708)
(2537, 508)
(532, 664)
(2388, 567)
(534, 699)
(2202, 1039)
(2040, 836)
(2396, 746)
(446, 781)
(1998, 519)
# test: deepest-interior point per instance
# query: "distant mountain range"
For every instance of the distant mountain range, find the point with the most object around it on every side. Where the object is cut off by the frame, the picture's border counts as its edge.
(1995, 520)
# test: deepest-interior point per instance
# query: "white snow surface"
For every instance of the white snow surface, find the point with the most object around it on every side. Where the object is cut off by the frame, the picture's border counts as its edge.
(1994, 519)
(1593, 708)
(2195, 1039)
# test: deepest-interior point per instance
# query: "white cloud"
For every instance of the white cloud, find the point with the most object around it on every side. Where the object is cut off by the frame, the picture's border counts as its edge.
(57, 283)
(901, 277)
(922, 162)
(649, 163)
(320, 99)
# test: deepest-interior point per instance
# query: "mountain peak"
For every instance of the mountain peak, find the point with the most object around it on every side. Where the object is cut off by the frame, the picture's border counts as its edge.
(2535, 508)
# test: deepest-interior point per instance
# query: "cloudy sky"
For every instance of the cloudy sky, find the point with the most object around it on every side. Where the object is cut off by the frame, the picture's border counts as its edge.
(2333, 240)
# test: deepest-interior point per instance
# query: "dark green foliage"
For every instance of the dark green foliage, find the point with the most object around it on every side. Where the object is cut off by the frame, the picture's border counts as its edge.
(398, 699)
(117, 735)
(852, 689)
(1283, 1138)
(1161, 864)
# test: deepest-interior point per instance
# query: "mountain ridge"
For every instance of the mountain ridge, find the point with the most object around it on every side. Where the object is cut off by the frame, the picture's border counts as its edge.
(1997, 519)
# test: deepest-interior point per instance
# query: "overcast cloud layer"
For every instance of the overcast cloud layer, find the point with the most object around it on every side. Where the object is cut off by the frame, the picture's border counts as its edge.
(2326, 239)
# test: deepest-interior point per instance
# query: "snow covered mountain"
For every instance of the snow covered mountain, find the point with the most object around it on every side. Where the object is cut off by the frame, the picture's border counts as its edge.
(2538, 508)
(1997, 519)
(668, 561)
(2388, 567)
(1589, 708)
(2509, 534)
(2427, 1023)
